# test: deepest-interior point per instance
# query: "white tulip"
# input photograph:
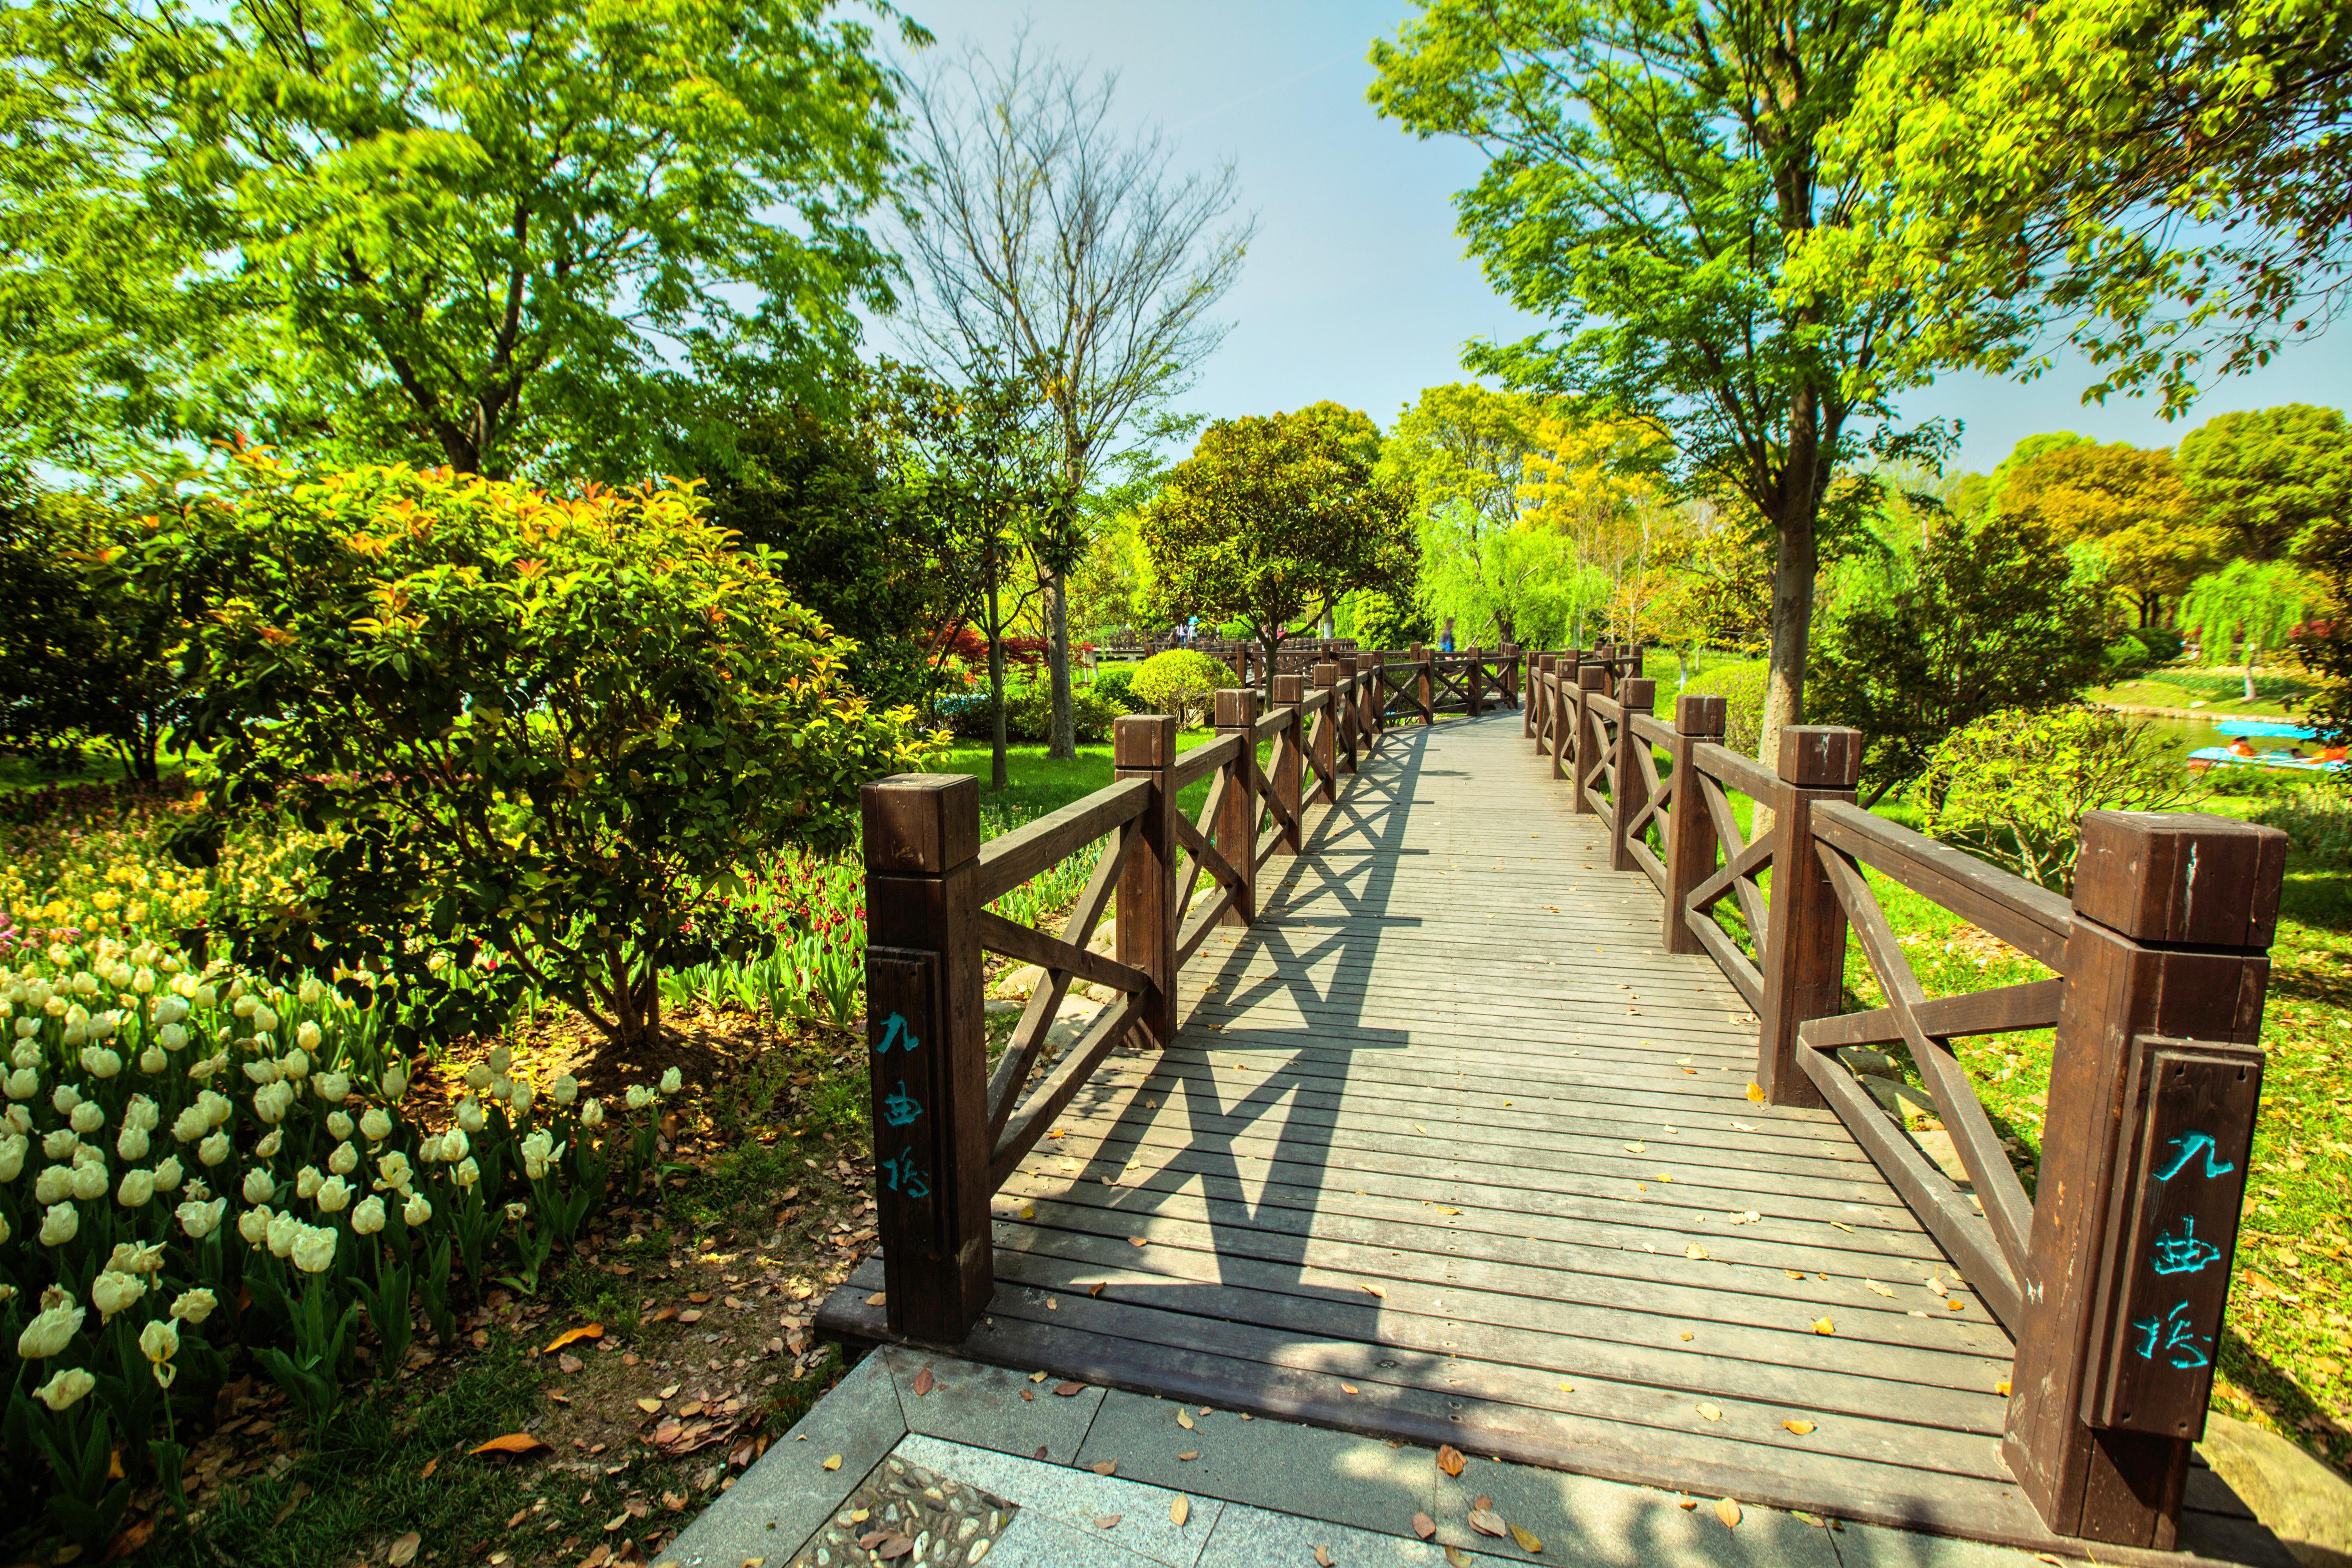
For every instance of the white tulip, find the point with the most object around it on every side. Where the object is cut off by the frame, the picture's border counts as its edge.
(50, 1333)
(195, 1306)
(344, 1159)
(334, 1088)
(333, 1196)
(639, 1097)
(54, 1184)
(24, 1083)
(65, 1097)
(367, 1217)
(339, 1124)
(283, 1230)
(264, 1019)
(243, 1006)
(172, 1036)
(501, 1059)
(307, 1036)
(89, 1181)
(59, 1143)
(260, 1186)
(470, 1115)
(565, 1088)
(65, 1390)
(314, 1249)
(395, 1082)
(306, 1182)
(131, 1144)
(200, 1220)
(111, 1292)
(99, 1062)
(393, 1172)
(189, 1126)
(416, 1211)
(309, 991)
(214, 1150)
(297, 1063)
(376, 1124)
(591, 1115)
(168, 1174)
(254, 1225)
(137, 1187)
(267, 1148)
(87, 1118)
(13, 1146)
(672, 1081)
(264, 1071)
(467, 1173)
(60, 1223)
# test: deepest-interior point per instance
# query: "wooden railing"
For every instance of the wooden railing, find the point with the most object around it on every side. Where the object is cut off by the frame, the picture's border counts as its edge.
(2112, 1278)
(947, 1128)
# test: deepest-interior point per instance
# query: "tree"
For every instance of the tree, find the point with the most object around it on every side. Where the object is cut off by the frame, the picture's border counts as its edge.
(1649, 164)
(1273, 519)
(495, 235)
(1044, 237)
(1600, 485)
(2267, 476)
(2256, 605)
(2129, 503)
(560, 726)
(2160, 180)
(1982, 618)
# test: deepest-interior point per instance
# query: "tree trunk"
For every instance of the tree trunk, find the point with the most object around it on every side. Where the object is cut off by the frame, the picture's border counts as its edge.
(997, 777)
(2250, 651)
(1062, 740)
(1794, 566)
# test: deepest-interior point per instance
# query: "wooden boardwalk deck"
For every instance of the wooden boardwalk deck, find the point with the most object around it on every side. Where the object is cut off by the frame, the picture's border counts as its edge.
(1449, 1150)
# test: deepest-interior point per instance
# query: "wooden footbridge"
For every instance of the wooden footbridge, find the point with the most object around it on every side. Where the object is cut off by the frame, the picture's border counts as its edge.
(1477, 1083)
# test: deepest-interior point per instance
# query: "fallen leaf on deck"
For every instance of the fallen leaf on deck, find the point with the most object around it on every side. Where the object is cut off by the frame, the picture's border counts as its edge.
(876, 1300)
(1881, 1289)
(1096, 1288)
(1458, 1558)
(1794, 1273)
(1486, 1522)
(1135, 1241)
(1184, 1419)
(1688, 1335)
(1801, 1428)
(572, 1336)
(1322, 1557)
(1106, 1467)
(1742, 1127)
(1528, 1539)
(924, 1382)
(1637, 1148)
(1417, 1127)
(1693, 1251)
(1824, 1326)
(1109, 1520)
(1450, 1459)
(1707, 1412)
(1042, 1451)
(1066, 1389)
(1423, 1526)
(1190, 1454)
(832, 1462)
(403, 1550)
(1756, 1092)
(1036, 1378)
(1843, 1226)
(2001, 1388)
(1728, 1512)
(512, 1443)
(1373, 1291)
(1180, 1510)
(1028, 1211)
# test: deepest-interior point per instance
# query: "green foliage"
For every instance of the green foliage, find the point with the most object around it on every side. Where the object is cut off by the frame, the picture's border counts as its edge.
(495, 235)
(558, 725)
(1182, 681)
(2266, 477)
(2155, 178)
(84, 653)
(2012, 786)
(1982, 619)
(2317, 821)
(2253, 606)
(1029, 713)
(1741, 686)
(2126, 502)
(1383, 618)
(1115, 684)
(1272, 521)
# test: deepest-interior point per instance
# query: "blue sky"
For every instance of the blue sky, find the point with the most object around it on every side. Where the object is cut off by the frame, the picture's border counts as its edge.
(1356, 288)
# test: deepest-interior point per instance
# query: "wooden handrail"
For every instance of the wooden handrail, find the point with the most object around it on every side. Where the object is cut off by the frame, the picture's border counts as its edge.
(2030, 918)
(1012, 859)
(1202, 761)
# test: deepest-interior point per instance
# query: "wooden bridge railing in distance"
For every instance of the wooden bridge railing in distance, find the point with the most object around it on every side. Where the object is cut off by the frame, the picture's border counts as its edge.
(2111, 1280)
(948, 1129)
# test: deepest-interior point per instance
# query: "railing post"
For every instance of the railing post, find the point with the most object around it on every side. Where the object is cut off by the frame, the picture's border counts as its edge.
(2156, 1071)
(1804, 945)
(1326, 751)
(1144, 747)
(927, 1056)
(1343, 711)
(1476, 667)
(1589, 680)
(1290, 691)
(1425, 684)
(1234, 832)
(1509, 675)
(1563, 703)
(1632, 791)
(1690, 831)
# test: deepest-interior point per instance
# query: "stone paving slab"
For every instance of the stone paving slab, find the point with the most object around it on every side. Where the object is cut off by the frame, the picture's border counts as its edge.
(985, 1406)
(1032, 1540)
(1279, 1464)
(1260, 1538)
(1077, 1499)
(789, 1494)
(1583, 1521)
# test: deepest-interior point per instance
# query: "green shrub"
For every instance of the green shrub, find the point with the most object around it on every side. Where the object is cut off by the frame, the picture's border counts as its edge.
(2318, 821)
(1029, 713)
(2161, 644)
(1115, 684)
(1182, 681)
(2126, 658)
(2011, 787)
(1741, 686)
(558, 725)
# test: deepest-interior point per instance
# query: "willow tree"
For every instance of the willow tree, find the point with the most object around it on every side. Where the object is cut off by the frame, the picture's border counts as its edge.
(1649, 163)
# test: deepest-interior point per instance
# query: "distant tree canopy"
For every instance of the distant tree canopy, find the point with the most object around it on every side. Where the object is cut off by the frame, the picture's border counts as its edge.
(1274, 520)
(2128, 503)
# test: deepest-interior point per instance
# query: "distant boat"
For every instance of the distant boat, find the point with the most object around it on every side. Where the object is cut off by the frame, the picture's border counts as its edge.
(2221, 756)
(2264, 727)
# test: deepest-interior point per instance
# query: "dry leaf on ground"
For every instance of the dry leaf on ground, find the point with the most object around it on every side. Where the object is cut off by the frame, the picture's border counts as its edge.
(1190, 1454)
(512, 1443)
(1109, 1520)
(832, 1462)
(925, 1383)
(876, 1300)
(1756, 1092)
(1067, 1389)
(1322, 1557)
(1486, 1522)
(1458, 1558)
(1374, 1290)
(1693, 1251)
(403, 1550)
(1801, 1428)
(1707, 1412)
(1729, 1512)
(1824, 1326)
(572, 1336)
(1528, 1539)
(1106, 1467)
(1450, 1459)
(1184, 1419)
(1880, 1289)
(1423, 1526)
(1180, 1510)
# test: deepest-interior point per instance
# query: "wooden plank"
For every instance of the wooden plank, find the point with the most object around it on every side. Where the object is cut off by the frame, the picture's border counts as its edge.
(1012, 859)
(2034, 919)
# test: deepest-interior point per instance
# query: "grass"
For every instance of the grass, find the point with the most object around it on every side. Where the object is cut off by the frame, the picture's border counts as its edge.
(2218, 692)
